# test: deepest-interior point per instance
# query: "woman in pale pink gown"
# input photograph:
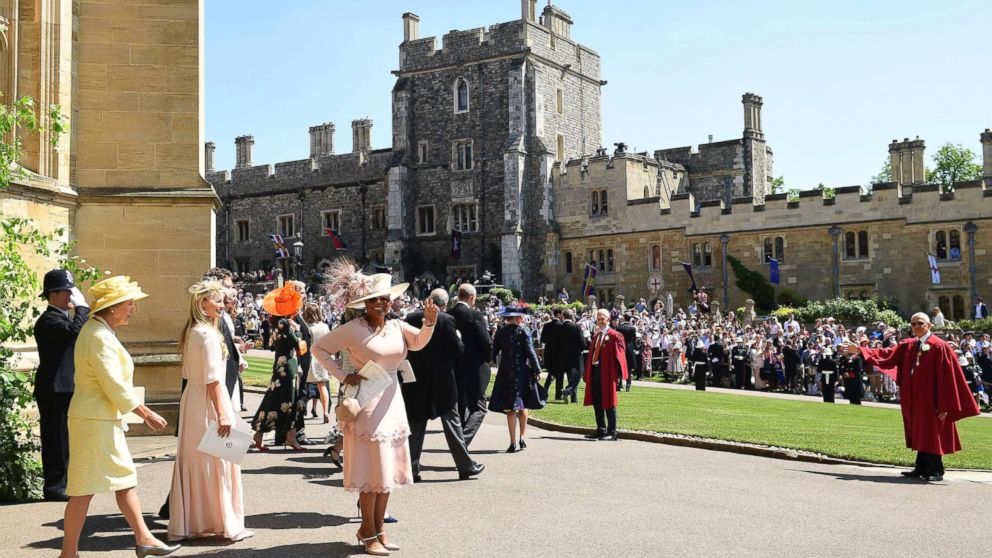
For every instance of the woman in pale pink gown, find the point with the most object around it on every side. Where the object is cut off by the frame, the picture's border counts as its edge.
(207, 497)
(376, 451)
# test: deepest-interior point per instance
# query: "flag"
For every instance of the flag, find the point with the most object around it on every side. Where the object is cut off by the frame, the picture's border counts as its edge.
(688, 269)
(773, 270)
(589, 282)
(335, 239)
(934, 271)
(279, 245)
(456, 244)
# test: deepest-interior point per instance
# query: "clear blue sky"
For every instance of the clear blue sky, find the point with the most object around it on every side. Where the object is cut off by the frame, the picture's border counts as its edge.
(840, 79)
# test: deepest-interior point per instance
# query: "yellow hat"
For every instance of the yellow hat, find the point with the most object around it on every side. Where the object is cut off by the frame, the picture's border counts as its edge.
(114, 290)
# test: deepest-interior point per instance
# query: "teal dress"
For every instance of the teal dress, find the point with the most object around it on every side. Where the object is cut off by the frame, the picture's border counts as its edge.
(277, 411)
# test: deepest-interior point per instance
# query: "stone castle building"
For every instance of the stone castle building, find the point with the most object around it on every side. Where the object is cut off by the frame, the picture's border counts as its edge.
(496, 133)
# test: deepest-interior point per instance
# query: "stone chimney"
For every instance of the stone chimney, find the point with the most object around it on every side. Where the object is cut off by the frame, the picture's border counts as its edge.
(361, 135)
(752, 116)
(987, 157)
(242, 147)
(906, 160)
(557, 20)
(411, 27)
(208, 156)
(528, 10)
(322, 140)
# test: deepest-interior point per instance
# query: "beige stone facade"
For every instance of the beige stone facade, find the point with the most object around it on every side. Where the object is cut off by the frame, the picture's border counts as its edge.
(882, 239)
(127, 181)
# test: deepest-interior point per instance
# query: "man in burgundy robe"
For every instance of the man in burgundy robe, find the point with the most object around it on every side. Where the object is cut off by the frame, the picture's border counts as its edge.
(933, 394)
(606, 365)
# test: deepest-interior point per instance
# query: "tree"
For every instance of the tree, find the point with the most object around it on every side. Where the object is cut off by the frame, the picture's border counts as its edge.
(884, 175)
(778, 185)
(19, 468)
(953, 163)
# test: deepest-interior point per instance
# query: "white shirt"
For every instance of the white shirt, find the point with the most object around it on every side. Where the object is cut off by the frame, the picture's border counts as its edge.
(938, 320)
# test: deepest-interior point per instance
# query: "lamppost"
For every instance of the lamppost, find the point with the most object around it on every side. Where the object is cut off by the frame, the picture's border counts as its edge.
(298, 257)
(835, 233)
(724, 239)
(970, 229)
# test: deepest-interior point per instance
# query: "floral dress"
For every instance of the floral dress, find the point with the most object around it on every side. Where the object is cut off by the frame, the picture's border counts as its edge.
(276, 411)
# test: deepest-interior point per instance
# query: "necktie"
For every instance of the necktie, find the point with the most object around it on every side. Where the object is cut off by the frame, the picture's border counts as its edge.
(599, 345)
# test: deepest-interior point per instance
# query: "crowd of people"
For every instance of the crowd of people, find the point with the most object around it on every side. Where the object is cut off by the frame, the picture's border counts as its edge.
(428, 357)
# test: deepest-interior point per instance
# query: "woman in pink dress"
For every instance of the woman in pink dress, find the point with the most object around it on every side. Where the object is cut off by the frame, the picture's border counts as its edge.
(376, 451)
(207, 497)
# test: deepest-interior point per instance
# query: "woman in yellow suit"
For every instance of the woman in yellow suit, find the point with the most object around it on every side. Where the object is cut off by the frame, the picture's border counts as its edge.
(99, 458)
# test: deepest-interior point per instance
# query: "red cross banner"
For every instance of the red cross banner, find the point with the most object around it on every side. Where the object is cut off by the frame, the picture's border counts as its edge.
(934, 270)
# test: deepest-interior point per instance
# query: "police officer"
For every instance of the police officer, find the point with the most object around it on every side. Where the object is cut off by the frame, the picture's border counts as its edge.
(55, 334)
(827, 367)
(700, 365)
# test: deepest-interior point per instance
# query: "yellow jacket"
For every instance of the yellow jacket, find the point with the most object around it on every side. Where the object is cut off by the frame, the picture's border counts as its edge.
(104, 372)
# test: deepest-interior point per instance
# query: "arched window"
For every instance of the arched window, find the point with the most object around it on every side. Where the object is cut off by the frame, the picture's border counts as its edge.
(780, 249)
(656, 258)
(461, 95)
(940, 245)
(602, 202)
(647, 192)
(609, 260)
(568, 262)
(856, 245)
(595, 202)
(602, 261)
(954, 243)
(707, 254)
(697, 255)
(944, 303)
(769, 249)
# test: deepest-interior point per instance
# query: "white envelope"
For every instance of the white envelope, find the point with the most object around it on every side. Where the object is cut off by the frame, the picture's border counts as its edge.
(233, 448)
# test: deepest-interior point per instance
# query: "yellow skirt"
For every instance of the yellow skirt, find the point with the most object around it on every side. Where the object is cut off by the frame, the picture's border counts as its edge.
(99, 460)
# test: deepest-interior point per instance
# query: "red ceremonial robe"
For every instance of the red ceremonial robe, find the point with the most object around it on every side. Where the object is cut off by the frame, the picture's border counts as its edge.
(936, 385)
(612, 366)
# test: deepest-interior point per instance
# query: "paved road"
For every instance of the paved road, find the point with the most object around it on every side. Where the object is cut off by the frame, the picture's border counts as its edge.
(565, 496)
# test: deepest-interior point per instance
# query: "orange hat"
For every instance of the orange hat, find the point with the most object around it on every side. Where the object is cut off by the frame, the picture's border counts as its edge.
(285, 301)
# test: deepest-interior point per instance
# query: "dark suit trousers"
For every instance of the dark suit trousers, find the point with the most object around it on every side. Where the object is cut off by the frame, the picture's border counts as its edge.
(557, 376)
(53, 410)
(606, 419)
(453, 435)
(929, 463)
(574, 376)
(472, 416)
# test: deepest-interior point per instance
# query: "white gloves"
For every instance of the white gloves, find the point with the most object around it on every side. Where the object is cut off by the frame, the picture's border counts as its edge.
(77, 299)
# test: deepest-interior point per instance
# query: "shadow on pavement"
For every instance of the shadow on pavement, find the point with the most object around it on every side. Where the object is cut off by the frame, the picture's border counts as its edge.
(294, 520)
(473, 452)
(93, 538)
(886, 479)
(311, 550)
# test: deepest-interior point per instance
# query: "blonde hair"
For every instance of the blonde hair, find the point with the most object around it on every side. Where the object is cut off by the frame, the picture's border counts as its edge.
(197, 315)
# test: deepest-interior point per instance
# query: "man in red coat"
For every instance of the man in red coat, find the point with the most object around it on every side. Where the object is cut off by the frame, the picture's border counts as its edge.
(933, 394)
(605, 366)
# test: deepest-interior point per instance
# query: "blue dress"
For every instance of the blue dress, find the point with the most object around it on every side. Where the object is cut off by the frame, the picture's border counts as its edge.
(517, 386)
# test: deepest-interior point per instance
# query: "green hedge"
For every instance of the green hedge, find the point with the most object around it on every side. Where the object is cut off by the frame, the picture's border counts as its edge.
(577, 307)
(754, 284)
(851, 312)
(978, 326)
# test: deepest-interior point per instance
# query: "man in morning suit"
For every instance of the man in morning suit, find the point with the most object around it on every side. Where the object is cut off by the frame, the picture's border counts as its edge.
(606, 366)
(933, 394)
(571, 343)
(550, 334)
(55, 334)
(472, 368)
(629, 333)
(434, 393)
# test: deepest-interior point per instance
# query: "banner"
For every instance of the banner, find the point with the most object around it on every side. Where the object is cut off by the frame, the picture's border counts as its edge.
(773, 271)
(336, 240)
(279, 245)
(590, 281)
(688, 269)
(456, 244)
(934, 271)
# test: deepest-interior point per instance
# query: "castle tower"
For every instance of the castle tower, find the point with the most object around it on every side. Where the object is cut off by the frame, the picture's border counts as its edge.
(208, 156)
(411, 27)
(528, 10)
(322, 140)
(242, 148)
(557, 20)
(906, 160)
(987, 157)
(361, 135)
(756, 156)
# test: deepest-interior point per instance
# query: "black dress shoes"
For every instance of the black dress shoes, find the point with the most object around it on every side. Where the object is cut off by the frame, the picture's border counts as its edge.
(417, 479)
(914, 474)
(610, 437)
(934, 478)
(475, 470)
(594, 436)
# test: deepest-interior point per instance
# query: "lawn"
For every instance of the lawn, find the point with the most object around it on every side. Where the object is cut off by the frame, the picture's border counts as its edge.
(847, 431)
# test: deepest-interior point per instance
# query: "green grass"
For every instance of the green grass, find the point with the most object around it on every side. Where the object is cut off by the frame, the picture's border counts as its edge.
(848, 431)
(259, 372)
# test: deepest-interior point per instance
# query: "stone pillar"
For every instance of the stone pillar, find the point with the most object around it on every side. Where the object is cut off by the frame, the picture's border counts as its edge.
(322, 140)
(208, 156)
(907, 161)
(411, 27)
(835, 234)
(242, 148)
(724, 239)
(528, 10)
(361, 135)
(752, 115)
(987, 157)
(970, 228)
